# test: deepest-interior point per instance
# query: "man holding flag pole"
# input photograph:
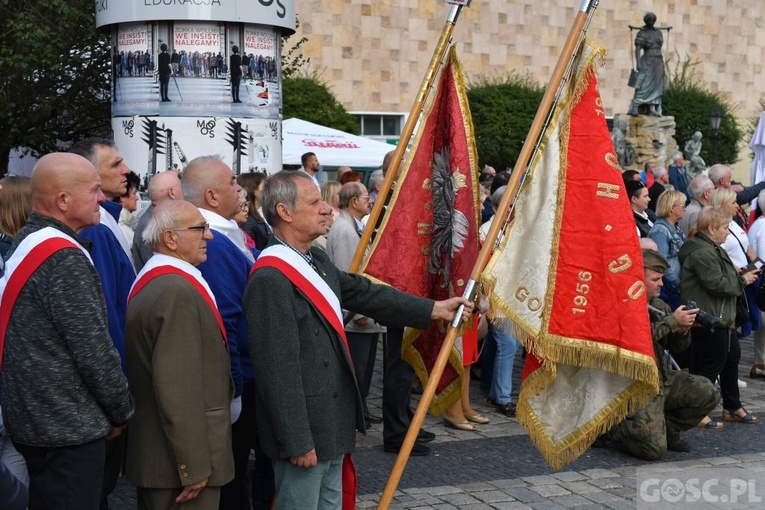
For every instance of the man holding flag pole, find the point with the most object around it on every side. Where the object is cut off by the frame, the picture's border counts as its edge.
(624, 367)
(308, 403)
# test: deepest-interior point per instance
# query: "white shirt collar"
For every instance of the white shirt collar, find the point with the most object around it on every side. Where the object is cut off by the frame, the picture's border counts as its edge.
(228, 228)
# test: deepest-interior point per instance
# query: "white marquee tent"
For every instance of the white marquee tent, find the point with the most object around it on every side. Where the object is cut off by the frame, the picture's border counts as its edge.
(332, 147)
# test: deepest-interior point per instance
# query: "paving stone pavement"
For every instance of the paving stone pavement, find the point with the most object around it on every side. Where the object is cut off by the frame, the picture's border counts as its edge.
(497, 467)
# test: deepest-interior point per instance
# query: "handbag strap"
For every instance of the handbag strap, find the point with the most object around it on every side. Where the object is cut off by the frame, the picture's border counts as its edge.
(741, 245)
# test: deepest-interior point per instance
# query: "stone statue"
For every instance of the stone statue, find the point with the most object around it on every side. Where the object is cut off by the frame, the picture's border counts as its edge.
(651, 79)
(692, 154)
(625, 153)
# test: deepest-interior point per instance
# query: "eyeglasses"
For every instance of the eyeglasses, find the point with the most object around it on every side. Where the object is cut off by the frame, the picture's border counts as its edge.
(679, 205)
(200, 228)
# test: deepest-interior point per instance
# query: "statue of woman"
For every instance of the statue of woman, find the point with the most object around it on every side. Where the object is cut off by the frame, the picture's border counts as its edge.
(652, 79)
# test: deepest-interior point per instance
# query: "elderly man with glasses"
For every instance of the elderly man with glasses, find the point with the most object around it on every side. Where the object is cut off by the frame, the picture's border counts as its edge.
(180, 441)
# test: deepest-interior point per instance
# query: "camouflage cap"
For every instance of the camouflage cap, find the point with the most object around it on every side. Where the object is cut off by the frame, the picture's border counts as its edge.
(654, 261)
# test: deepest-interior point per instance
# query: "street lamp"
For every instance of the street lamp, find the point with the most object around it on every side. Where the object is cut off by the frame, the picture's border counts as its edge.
(714, 122)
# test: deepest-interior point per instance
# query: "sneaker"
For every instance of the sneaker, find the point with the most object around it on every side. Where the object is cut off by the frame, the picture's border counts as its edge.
(741, 384)
(678, 445)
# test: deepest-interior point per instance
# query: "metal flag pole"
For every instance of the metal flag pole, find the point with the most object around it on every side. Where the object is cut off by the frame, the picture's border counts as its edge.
(406, 134)
(558, 80)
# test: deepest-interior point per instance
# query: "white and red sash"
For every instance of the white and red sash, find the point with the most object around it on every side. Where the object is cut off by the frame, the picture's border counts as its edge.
(320, 295)
(30, 254)
(307, 280)
(160, 265)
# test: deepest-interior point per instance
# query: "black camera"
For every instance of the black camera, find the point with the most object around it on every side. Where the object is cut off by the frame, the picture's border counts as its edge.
(703, 319)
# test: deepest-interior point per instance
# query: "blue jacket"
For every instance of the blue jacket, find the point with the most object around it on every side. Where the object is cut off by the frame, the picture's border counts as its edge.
(117, 276)
(669, 239)
(678, 177)
(226, 271)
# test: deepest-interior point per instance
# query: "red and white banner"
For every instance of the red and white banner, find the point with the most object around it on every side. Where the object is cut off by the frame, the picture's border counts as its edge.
(260, 42)
(133, 37)
(197, 37)
(427, 243)
(569, 276)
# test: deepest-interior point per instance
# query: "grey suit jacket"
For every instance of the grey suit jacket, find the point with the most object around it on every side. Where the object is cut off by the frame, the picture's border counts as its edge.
(180, 373)
(306, 393)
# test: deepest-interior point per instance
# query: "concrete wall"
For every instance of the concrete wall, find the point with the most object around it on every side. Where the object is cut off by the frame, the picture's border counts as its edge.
(376, 51)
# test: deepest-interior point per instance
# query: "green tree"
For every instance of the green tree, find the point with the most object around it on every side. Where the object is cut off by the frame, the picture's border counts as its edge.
(690, 101)
(309, 98)
(54, 75)
(502, 110)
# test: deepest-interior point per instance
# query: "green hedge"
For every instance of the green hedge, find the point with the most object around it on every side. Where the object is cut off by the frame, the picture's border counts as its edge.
(502, 111)
(690, 101)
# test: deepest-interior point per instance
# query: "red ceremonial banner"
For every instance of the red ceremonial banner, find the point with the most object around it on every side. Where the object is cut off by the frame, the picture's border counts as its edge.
(428, 240)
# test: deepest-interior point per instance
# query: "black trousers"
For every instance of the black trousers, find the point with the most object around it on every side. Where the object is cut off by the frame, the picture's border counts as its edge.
(235, 88)
(233, 495)
(397, 389)
(717, 353)
(64, 477)
(363, 350)
(115, 457)
(164, 82)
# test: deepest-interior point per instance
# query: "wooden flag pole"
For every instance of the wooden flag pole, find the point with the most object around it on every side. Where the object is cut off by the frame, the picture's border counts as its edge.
(561, 73)
(406, 134)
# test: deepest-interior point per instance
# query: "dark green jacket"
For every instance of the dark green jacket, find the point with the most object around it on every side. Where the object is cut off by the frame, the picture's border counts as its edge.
(306, 392)
(709, 278)
(665, 332)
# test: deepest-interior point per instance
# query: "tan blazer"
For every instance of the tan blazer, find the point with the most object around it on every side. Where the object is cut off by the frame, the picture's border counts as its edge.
(180, 373)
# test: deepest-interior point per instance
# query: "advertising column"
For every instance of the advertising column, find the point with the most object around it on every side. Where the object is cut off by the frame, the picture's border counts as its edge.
(197, 77)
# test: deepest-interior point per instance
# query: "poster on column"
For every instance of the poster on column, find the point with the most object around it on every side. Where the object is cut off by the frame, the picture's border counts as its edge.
(152, 144)
(194, 78)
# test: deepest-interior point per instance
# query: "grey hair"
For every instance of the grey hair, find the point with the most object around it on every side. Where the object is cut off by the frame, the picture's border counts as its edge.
(161, 220)
(376, 178)
(280, 188)
(496, 197)
(677, 156)
(348, 192)
(659, 171)
(194, 181)
(699, 185)
(717, 172)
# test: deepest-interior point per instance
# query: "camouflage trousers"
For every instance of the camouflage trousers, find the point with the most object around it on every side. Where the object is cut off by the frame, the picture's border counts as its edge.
(681, 404)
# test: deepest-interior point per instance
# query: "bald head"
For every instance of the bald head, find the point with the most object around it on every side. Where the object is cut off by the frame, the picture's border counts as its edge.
(341, 170)
(67, 187)
(209, 183)
(165, 185)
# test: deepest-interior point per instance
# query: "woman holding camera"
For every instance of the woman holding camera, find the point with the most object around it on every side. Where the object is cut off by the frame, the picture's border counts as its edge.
(711, 280)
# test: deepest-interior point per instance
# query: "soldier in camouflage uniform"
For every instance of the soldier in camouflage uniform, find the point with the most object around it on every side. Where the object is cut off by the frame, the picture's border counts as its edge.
(683, 399)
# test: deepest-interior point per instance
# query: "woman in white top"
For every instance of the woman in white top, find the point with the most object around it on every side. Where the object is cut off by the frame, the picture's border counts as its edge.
(757, 243)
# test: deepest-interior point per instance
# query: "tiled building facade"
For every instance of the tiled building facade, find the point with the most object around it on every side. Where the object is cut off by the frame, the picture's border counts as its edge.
(375, 52)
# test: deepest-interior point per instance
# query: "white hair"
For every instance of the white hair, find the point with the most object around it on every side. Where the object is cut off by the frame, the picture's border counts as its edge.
(717, 172)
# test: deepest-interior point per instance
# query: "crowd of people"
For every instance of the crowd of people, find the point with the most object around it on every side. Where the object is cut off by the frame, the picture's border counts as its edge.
(144, 354)
(701, 231)
(222, 320)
